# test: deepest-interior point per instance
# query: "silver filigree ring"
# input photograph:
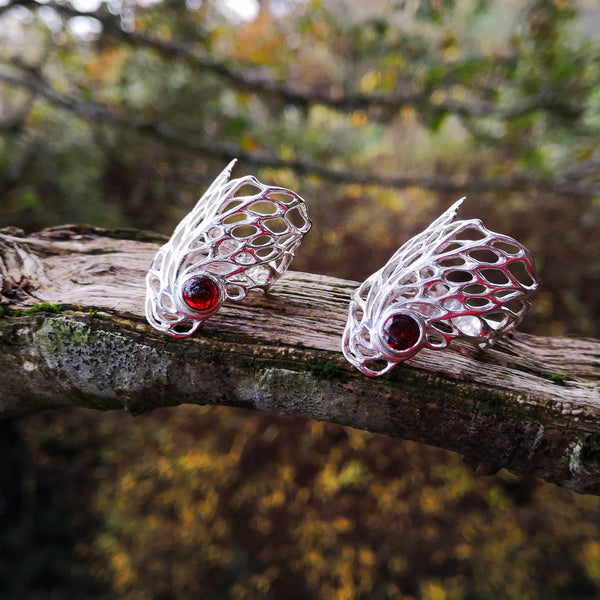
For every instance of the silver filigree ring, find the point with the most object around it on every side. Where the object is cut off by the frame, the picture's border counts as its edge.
(454, 280)
(241, 235)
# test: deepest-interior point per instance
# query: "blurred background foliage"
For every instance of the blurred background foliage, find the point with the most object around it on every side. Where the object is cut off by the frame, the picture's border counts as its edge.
(380, 114)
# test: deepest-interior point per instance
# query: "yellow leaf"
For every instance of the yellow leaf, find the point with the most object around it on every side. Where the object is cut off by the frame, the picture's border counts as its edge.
(370, 81)
(358, 119)
(249, 144)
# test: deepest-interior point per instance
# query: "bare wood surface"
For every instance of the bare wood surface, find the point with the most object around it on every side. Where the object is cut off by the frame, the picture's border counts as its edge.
(530, 404)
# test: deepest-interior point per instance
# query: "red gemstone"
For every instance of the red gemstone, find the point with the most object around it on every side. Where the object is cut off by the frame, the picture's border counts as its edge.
(201, 293)
(401, 332)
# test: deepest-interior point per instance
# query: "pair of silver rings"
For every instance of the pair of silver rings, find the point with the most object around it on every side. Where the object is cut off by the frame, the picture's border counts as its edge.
(456, 279)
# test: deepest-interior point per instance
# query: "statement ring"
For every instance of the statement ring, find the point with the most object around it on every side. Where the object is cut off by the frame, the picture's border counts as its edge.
(454, 280)
(241, 235)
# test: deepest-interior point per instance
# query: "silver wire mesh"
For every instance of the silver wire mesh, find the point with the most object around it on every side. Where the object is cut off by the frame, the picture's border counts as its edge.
(241, 233)
(456, 279)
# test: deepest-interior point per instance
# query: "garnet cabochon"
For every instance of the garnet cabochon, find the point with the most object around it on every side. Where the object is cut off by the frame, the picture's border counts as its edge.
(201, 293)
(401, 332)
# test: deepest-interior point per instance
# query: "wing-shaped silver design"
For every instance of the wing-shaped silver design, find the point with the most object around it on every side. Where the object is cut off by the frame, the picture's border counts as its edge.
(455, 279)
(241, 234)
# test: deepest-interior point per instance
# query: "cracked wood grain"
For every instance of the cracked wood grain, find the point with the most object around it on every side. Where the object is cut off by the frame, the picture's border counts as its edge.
(529, 404)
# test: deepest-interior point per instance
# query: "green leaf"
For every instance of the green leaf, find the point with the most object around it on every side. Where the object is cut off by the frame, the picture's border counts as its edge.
(437, 118)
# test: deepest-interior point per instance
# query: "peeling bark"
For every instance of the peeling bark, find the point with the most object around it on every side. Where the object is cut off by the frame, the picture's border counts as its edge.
(73, 333)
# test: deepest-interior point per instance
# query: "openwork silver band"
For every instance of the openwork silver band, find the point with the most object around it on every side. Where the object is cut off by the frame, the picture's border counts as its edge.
(241, 234)
(454, 280)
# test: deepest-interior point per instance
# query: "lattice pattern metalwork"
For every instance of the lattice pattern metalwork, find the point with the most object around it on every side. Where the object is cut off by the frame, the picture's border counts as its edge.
(241, 234)
(454, 280)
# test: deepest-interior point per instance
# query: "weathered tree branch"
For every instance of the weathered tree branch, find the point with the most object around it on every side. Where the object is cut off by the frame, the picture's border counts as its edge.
(530, 404)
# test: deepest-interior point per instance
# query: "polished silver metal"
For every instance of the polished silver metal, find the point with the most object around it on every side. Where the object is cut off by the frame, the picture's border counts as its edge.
(456, 279)
(241, 234)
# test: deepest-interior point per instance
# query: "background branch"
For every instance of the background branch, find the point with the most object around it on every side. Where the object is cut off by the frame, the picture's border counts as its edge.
(97, 112)
(249, 78)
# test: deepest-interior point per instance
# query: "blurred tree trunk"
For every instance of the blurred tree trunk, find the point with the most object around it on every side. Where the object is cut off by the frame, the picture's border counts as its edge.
(73, 333)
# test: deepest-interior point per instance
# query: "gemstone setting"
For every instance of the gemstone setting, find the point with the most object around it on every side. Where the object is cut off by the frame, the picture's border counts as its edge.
(401, 332)
(201, 293)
